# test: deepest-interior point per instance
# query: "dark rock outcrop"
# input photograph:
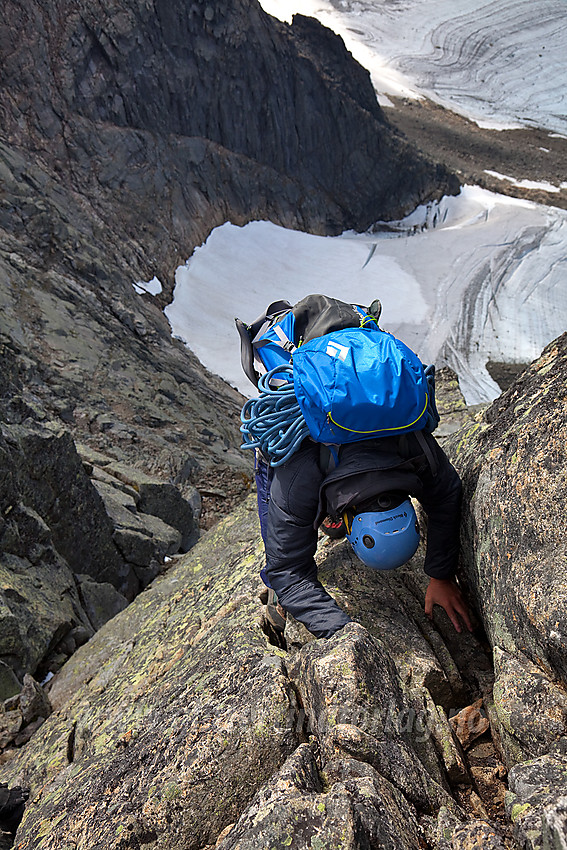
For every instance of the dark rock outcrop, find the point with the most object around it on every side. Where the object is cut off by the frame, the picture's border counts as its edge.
(170, 92)
(39, 600)
(70, 557)
(513, 462)
(52, 482)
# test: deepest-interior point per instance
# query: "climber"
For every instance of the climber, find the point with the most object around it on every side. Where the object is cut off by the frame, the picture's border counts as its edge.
(370, 482)
(327, 376)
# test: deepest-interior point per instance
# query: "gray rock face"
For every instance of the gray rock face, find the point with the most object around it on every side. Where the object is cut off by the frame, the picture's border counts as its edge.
(162, 500)
(100, 600)
(207, 722)
(537, 803)
(351, 691)
(513, 462)
(39, 603)
(140, 537)
(70, 557)
(191, 728)
(530, 708)
(513, 465)
(52, 481)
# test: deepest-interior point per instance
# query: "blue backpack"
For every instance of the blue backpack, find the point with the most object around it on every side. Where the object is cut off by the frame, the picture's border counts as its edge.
(359, 383)
(330, 372)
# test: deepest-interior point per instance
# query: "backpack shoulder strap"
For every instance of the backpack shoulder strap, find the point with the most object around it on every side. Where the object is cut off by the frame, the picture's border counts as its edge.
(246, 352)
(247, 334)
(282, 338)
(427, 451)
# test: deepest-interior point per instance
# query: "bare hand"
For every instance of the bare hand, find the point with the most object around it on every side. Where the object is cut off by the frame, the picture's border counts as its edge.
(445, 593)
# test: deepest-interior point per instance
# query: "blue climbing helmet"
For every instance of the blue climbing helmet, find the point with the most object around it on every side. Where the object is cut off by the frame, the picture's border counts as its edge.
(384, 533)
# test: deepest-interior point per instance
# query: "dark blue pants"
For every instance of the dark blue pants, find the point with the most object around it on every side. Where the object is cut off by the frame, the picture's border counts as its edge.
(263, 476)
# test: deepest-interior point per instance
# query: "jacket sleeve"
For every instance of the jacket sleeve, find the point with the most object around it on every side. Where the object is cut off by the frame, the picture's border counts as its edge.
(441, 500)
(291, 542)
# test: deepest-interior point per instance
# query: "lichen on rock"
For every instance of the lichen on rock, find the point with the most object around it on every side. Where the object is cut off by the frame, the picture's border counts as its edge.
(513, 462)
(171, 717)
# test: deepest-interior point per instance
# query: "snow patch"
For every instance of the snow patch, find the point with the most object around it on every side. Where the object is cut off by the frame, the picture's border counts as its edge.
(472, 278)
(152, 287)
(527, 184)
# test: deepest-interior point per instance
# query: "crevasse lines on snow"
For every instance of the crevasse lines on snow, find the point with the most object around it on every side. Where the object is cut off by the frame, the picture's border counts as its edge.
(503, 265)
(552, 265)
(510, 303)
(500, 63)
(497, 57)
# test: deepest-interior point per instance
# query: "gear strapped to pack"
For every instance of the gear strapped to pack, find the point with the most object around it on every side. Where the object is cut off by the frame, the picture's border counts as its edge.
(348, 380)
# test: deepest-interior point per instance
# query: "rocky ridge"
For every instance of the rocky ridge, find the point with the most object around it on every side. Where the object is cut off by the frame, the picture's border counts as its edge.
(122, 146)
(180, 725)
(336, 739)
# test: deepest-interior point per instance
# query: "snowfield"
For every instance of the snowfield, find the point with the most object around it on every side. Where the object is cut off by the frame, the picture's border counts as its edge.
(474, 278)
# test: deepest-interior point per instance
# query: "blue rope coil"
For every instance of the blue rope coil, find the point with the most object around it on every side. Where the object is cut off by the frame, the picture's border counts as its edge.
(273, 422)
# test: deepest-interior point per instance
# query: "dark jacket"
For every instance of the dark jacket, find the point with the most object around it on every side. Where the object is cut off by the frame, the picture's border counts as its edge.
(301, 494)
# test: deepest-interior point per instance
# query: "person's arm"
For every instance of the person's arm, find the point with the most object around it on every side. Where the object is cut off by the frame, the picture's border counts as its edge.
(291, 542)
(442, 503)
(441, 500)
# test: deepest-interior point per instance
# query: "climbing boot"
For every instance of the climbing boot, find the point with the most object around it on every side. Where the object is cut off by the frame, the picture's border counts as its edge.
(275, 614)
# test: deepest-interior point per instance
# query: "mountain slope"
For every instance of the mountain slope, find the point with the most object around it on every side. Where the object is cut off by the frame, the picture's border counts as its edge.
(129, 130)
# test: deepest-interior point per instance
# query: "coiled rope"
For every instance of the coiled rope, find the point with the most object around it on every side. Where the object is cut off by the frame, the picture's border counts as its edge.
(273, 422)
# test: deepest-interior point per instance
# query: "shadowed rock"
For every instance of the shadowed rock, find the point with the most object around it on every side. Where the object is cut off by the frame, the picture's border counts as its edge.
(356, 806)
(513, 462)
(164, 86)
(52, 481)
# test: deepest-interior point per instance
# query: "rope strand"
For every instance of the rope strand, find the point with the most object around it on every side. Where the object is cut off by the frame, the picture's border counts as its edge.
(273, 422)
